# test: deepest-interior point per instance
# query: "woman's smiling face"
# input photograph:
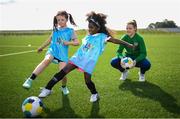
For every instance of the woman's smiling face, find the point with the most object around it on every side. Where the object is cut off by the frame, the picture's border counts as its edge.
(130, 29)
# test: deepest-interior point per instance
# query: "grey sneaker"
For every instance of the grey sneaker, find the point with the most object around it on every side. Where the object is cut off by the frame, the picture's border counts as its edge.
(94, 97)
(124, 75)
(65, 90)
(28, 83)
(141, 77)
(44, 93)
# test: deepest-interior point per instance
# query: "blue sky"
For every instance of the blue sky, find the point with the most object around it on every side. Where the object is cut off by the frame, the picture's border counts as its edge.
(38, 14)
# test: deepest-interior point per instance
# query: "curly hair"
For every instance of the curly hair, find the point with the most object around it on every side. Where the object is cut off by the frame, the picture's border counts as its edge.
(99, 20)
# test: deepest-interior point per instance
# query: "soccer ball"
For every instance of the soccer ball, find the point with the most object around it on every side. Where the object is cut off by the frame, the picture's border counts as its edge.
(126, 63)
(32, 107)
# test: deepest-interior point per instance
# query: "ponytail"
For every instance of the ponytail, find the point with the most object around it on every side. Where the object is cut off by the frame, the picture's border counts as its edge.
(54, 23)
(71, 20)
(66, 15)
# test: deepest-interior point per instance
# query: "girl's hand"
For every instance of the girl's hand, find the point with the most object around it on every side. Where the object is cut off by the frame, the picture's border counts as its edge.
(117, 41)
(122, 64)
(65, 42)
(130, 46)
(74, 43)
(40, 50)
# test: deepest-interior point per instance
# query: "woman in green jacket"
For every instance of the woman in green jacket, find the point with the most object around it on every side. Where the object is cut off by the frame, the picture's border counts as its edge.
(138, 54)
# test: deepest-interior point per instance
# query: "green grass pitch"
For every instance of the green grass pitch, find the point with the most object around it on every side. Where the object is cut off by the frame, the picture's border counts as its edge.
(159, 96)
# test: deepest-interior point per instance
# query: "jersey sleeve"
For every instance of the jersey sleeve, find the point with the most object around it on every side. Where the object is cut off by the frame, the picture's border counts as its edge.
(121, 48)
(142, 49)
(107, 38)
(84, 40)
(73, 36)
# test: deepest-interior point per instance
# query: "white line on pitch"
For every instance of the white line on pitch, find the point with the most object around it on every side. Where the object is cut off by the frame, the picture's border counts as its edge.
(16, 46)
(17, 53)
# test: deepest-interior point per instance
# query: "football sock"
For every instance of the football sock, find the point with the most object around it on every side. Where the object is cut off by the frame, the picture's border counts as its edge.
(63, 86)
(91, 87)
(57, 77)
(33, 76)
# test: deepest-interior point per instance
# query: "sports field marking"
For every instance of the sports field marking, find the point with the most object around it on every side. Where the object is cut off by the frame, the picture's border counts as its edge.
(18, 46)
(18, 53)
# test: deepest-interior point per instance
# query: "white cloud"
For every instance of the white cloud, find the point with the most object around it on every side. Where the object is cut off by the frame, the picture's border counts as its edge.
(5, 2)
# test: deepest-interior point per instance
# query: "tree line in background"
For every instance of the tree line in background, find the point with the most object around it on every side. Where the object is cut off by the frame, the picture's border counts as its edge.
(164, 24)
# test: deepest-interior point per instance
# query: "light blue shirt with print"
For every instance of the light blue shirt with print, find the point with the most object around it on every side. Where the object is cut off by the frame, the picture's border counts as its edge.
(87, 55)
(57, 49)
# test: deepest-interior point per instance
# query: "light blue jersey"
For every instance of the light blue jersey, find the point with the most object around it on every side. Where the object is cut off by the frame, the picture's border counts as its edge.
(57, 49)
(87, 55)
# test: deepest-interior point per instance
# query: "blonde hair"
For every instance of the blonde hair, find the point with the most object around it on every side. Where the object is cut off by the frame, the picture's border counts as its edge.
(133, 22)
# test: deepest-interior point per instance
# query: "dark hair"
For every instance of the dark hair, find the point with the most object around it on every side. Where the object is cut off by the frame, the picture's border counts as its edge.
(66, 15)
(133, 22)
(99, 20)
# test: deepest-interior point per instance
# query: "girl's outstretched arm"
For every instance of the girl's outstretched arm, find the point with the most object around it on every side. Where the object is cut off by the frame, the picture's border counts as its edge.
(117, 41)
(74, 42)
(45, 44)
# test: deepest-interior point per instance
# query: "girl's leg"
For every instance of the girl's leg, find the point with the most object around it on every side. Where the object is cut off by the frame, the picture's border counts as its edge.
(40, 68)
(89, 83)
(91, 86)
(46, 61)
(60, 75)
(61, 66)
(64, 80)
